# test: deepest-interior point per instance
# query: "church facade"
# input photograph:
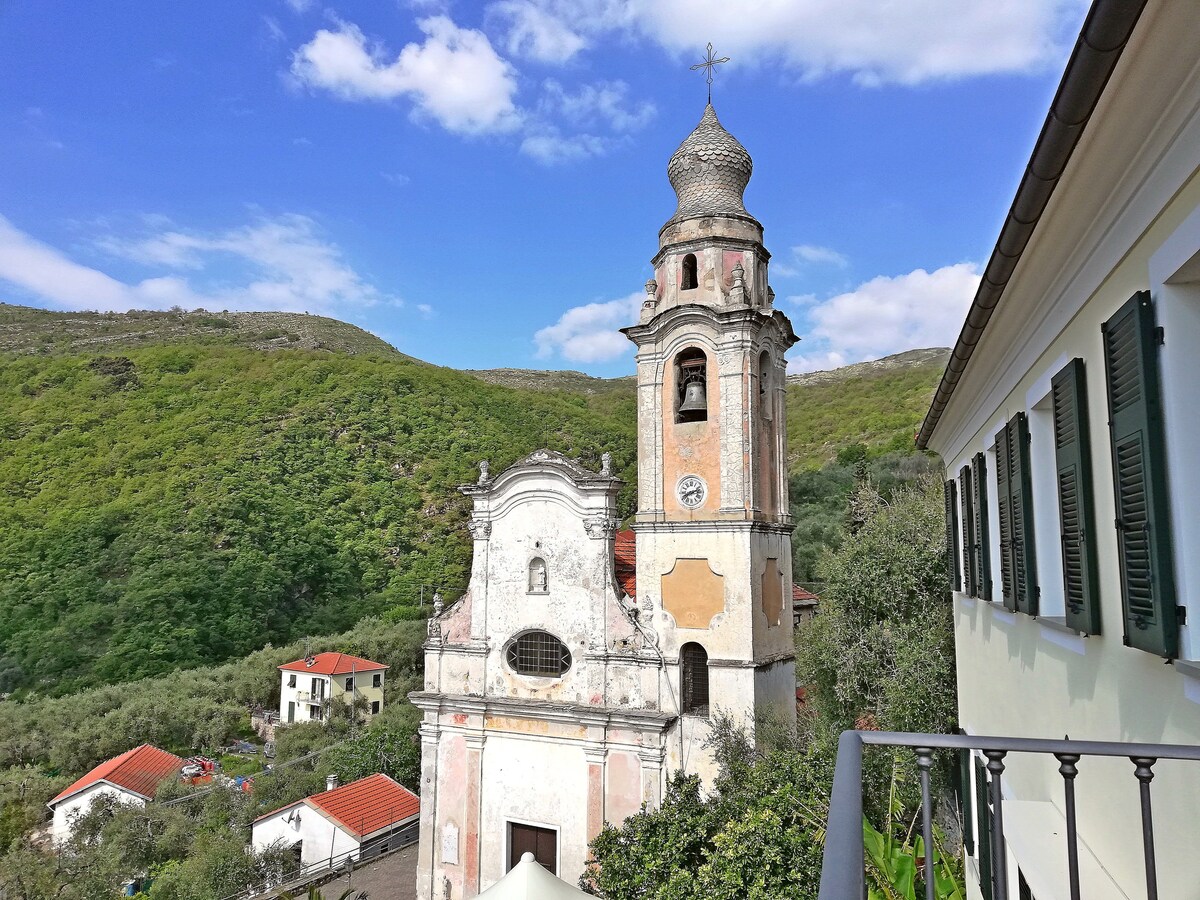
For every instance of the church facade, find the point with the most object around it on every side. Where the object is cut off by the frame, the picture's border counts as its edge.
(581, 668)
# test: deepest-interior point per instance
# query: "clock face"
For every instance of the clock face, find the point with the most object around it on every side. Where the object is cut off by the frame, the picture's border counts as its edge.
(691, 491)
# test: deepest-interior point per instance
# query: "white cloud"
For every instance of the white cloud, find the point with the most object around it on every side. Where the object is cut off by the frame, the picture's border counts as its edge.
(396, 179)
(811, 253)
(533, 32)
(455, 76)
(425, 310)
(299, 6)
(603, 102)
(550, 147)
(906, 43)
(273, 264)
(887, 315)
(588, 333)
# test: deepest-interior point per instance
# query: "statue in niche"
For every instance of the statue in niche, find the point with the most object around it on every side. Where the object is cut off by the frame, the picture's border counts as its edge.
(537, 577)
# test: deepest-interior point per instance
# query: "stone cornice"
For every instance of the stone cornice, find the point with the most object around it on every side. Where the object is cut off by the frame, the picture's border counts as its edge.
(545, 710)
(731, 524)
(478, 649)
(759, 663)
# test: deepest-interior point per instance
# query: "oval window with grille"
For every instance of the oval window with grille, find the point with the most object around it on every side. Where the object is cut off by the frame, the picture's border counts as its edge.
(538, 653)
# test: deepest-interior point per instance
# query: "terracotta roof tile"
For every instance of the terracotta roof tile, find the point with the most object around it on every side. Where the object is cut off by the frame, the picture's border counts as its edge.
(799, 593)
(139, 770)
(625, 561)
(333, 664)
(368, 805)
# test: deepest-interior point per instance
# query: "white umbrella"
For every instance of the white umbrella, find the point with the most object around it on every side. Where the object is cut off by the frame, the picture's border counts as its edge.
(528, 880)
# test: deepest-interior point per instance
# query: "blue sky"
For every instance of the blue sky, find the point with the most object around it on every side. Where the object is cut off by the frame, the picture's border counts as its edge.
(482, 184)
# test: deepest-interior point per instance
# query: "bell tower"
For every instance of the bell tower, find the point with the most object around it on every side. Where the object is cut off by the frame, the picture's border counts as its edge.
(712, 527)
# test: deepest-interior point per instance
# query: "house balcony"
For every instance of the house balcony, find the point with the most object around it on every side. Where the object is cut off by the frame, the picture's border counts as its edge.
(843, 876)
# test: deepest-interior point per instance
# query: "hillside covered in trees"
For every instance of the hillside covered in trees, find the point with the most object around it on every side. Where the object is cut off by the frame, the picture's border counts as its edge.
(179, 489)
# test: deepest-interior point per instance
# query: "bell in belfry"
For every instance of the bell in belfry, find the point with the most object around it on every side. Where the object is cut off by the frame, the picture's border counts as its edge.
(694, 399)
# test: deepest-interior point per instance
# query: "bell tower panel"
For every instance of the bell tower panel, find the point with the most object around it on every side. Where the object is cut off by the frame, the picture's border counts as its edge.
(693, 593)
(772, 592)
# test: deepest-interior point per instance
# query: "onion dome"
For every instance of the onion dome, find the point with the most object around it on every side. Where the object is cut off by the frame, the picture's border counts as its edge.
(709, 171)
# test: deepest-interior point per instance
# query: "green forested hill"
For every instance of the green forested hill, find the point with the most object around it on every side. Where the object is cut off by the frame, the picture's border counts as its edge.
(172, 495)
(180, 505)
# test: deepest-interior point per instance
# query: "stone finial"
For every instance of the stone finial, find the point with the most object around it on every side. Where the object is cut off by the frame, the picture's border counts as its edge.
(737, 293)
(651, 300)
(606, 463)
(433, 630)
(770, 296)
(439, 605)
(484, 477)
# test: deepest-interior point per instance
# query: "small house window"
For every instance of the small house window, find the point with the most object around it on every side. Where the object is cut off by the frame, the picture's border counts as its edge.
(350, 683)
(292, 680)
(377, 680)
(538, 653)
(693, 661)
(374, 707)
(689, 282)
(691, 386)
(538, 582)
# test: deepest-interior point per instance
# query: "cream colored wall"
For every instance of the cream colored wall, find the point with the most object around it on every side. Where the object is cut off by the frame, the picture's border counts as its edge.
(1019, 676)
(363, 689)
(68, 811)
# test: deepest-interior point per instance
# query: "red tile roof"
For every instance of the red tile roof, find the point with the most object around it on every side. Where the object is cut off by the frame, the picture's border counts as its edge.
(625, 562)
(368, 805)
(799, 593)
(139, 771)
(333, 664)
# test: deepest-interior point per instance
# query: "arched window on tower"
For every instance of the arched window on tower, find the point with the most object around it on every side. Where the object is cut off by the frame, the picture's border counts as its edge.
(691, 386)
(539, 582)
(764, 384)
(689, 282)
(693, 664)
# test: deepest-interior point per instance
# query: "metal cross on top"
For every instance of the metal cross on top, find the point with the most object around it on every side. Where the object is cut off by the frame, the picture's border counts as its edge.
(707, 65)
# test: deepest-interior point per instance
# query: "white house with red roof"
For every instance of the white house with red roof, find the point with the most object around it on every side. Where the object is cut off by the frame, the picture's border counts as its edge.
(131, 778)
(356, 821)
(308, 685)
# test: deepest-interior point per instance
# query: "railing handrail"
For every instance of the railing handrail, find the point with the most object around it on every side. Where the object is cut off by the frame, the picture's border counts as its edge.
(842, 869)
(1026, 745)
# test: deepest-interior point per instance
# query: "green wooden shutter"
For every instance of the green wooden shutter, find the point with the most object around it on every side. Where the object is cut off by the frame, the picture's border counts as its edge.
(1024, 557)
(952, 568)
(1073, 459)
(963, 789)
(1139, 475)
(982, 549)
(983, 830)
(1004, 503)
(971, 573)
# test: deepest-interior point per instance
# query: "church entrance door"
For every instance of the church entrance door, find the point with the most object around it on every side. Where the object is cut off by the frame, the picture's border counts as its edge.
(541, 842)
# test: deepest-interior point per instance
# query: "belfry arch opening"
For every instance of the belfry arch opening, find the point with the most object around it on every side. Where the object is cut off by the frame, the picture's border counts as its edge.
(688, 280)
(764, 384)
(691, 386)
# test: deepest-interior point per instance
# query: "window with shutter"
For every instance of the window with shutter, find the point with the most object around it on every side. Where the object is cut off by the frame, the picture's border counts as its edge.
(1024, 562)
(1073, 460)
(980, 548)
(1003, 503)
(952, 568)
(970, 570)
(1139, 475)
(1018, 562)
(983, 830)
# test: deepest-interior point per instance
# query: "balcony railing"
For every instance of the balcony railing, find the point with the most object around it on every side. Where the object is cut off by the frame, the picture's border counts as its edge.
(842, 871)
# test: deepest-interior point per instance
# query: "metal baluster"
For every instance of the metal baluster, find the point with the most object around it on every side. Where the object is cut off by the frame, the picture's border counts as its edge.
(1145, 774)
(924, 763)
(1068, 771)
(995, 767)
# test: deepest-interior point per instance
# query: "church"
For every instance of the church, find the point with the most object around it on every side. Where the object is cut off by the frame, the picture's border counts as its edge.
(579, 670)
